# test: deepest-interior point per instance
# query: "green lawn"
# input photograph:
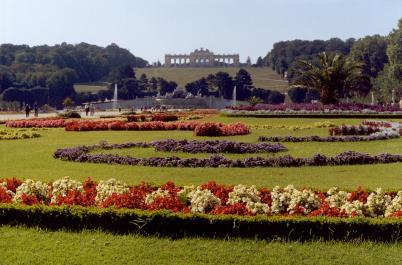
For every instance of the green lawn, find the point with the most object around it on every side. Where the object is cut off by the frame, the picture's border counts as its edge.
(32, 158)
(94, 87)
(263, 77)
(33, 246)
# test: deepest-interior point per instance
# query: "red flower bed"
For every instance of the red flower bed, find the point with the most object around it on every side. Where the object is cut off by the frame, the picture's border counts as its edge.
(200, 129)
(152, 117)
(37, 123)
(220, 129)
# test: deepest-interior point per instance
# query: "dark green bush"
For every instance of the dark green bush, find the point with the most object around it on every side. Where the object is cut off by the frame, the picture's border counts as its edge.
(165, 223)
(70, 115)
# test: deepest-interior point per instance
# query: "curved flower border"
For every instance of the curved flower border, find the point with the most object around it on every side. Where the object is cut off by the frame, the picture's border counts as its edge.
(210, 198)
(82, 154)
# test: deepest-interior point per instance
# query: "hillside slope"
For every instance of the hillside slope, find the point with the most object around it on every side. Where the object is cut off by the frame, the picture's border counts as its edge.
(262, 77)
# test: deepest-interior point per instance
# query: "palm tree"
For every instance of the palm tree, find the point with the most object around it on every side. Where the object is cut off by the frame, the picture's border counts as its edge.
(334, 76)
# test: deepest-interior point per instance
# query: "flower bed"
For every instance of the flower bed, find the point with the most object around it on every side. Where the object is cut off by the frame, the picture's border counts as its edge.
(152, 117)
(200, 129)
(368, 131)
(14, 134)
(37, 123)
(195, 146)
(307, 108)
(323, 124)
(82, 154)
(210, 198)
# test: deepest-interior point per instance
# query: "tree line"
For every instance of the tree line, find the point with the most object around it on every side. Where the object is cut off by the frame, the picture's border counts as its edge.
(46, 74)
(377, 58)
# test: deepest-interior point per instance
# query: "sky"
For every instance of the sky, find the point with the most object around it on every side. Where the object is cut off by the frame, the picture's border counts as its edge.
(152, 28)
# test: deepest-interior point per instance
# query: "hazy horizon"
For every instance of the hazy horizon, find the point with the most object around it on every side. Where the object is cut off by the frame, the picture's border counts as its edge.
(152, 28)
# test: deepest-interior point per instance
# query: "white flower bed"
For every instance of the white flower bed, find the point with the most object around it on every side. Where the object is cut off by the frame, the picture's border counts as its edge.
(62, 186)
(30, 187)
(109, 187)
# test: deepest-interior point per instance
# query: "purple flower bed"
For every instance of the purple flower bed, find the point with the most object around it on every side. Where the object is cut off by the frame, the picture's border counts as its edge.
(316, 138)
(318, 107)
(82, 154)
(216, 146)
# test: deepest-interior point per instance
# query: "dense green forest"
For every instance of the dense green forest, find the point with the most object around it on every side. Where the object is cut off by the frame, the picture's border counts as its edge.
(46, 74)
(380, 58)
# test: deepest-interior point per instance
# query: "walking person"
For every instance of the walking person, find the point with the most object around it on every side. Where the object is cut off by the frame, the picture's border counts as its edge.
(27, 110)
(86, 107)
(92, 109)
(36, 109)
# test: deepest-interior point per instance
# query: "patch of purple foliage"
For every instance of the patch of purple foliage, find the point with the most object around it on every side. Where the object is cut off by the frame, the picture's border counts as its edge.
(216, 146)
(316, 138)
(82, 154)
(318, 107)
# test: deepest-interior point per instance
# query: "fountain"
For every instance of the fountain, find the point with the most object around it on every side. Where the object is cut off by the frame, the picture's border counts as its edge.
(372, 98)
(234, 96)
(115, 97)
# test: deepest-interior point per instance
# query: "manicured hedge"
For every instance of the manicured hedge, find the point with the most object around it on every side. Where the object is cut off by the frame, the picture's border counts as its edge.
(165, 223)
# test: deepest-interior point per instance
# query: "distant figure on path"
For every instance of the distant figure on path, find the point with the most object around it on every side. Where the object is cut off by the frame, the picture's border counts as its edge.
(92, 109)
(86, 107)
(27, 110)
(36, 109)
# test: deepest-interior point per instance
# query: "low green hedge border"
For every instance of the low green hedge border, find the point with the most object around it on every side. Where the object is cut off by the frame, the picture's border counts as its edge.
(322, 116)
(165, 223)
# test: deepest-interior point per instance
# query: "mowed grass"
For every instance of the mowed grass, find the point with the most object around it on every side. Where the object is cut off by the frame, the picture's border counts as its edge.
(90, 87)
(33, 158)
(262, 77)
(33, 246)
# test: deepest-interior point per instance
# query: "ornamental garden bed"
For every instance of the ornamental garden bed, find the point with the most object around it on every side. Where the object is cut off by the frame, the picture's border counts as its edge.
(207, 210)
(368, 131)
(83, 154)
(16, 134)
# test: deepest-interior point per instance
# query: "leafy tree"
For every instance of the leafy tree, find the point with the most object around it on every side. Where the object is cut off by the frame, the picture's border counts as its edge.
(261, 93)
(61, 85)
(198, 87)
(297, 94)
(166, 86)
(143, 82)
(7, 78)
(276, 97)
(68, 102)
(225, 84)
(391, 76)
(260, 62)
(243, 84)
(153, 84)
(334, 76)
(372, 52)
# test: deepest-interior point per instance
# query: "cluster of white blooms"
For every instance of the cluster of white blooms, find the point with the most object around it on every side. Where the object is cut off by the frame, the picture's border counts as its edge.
(257, 207)
(306, 199)
(242, 193)
(336, 197)
(30, 187)
(4, 185)
(62, 186)
(377, 203)
(250, 196)
(281, 198)
(202, 200)
(353, 208)
(159, 193)
(106, 188)
(395, 205)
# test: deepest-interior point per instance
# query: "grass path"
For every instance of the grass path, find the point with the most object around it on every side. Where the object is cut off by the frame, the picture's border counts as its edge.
(33, 246)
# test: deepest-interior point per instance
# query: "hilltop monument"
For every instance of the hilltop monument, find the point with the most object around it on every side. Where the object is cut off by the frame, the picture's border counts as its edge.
(201, 58)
